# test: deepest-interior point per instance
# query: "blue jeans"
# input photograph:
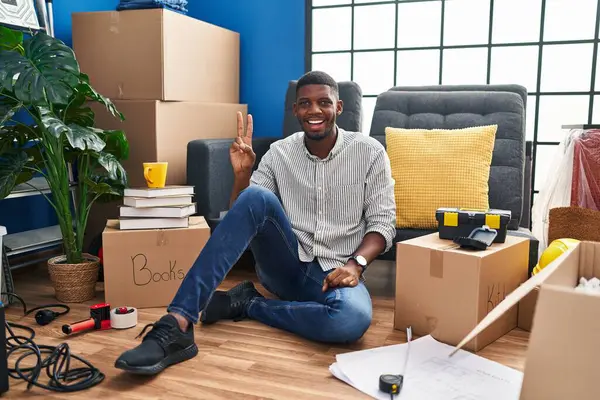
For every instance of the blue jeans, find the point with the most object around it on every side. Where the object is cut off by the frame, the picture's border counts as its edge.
(257, 219)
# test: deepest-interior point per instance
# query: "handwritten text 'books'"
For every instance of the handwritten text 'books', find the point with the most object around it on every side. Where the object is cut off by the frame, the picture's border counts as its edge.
(157, 208)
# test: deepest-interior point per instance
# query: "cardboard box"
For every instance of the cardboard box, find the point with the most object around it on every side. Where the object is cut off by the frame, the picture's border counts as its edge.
(527, 310)
(144, 268)
(563, 345)
(161, 131)
(157, 54)
(445, 291)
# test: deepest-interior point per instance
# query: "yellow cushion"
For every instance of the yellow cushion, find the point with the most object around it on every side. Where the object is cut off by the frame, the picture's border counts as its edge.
(439, 168)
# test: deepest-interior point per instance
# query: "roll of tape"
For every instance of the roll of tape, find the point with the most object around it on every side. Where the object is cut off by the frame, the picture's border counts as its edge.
(123, 317)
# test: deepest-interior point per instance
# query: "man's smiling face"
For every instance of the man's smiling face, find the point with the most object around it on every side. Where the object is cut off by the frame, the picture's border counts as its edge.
(317, 107)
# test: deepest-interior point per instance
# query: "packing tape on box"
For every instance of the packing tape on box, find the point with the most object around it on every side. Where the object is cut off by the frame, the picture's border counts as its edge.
(123, 317)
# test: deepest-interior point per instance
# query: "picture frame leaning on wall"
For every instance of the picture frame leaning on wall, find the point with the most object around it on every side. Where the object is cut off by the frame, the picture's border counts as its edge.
(19, 14)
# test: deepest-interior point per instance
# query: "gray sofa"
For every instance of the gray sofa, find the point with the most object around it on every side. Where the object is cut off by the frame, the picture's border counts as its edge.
(451, 107)
(407, 107)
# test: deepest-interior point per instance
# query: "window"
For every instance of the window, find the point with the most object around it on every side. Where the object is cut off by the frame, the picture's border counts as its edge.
(548, 46)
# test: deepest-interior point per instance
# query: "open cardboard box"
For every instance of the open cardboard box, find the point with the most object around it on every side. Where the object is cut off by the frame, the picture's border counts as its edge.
(563, 345)
(526, 310)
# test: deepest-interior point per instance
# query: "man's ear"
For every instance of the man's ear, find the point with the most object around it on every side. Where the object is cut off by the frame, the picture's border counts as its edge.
(295, 109)
(340, 107)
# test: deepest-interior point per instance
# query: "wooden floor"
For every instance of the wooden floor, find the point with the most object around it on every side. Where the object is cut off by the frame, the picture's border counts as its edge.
(237, 360)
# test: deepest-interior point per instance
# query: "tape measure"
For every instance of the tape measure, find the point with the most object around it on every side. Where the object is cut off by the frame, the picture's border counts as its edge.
(391, 384)
(123, 317)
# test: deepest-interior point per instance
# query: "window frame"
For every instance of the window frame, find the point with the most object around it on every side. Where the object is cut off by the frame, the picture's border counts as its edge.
(540, 43)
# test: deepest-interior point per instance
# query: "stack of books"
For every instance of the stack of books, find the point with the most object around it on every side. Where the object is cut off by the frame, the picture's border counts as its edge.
(157, 208)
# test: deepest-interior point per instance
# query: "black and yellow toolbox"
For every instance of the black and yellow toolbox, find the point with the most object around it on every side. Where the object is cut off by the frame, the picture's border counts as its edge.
(457, 222)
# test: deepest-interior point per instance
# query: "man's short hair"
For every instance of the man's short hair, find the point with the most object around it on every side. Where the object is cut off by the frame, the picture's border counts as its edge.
(317, 78)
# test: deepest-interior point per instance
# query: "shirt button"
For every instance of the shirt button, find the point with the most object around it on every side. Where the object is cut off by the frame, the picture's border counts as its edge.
(320, 212)
(319, 187)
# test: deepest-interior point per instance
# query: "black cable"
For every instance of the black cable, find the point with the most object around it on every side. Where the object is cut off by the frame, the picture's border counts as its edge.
(44, 316)
(62, 378)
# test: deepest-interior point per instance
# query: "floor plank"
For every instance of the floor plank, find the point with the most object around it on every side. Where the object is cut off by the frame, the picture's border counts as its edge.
(237, 359)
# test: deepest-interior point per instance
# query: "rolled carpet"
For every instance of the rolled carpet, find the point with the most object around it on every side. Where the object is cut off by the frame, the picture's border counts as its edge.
(574, 223)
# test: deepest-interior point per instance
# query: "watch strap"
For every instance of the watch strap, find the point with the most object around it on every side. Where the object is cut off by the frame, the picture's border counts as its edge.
(363, 267)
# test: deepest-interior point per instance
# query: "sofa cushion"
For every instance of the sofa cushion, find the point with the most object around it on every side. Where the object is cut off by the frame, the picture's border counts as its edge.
(461, 109)
(435, 168)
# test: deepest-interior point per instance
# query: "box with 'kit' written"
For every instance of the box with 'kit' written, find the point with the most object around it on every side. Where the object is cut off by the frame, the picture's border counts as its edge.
(446, 291)
(144, 268)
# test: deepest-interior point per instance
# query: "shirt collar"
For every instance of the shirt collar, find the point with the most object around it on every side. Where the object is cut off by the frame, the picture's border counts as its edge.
(339, 142)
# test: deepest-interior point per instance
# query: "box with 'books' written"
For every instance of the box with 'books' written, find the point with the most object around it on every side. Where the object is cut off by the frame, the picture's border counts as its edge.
(145, 267)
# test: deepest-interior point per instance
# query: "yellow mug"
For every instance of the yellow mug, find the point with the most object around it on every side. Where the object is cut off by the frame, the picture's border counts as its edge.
(155, 174)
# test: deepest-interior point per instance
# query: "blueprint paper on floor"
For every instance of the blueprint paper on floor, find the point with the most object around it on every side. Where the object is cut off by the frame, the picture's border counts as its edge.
(430, 373)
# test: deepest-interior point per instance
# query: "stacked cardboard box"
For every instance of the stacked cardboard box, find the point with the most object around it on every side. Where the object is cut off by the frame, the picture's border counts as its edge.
(175, 78)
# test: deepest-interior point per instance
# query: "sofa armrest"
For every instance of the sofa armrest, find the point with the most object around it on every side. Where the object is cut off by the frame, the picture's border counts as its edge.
(209, 171)
(534, 245)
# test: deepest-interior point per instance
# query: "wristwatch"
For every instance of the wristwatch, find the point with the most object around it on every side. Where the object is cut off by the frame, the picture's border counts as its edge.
(361, 261)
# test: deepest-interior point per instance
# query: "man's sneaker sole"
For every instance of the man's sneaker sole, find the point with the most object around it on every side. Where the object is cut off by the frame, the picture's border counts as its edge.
(182, 355)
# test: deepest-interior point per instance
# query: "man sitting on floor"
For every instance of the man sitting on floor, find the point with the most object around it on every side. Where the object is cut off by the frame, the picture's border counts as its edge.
(319, 208)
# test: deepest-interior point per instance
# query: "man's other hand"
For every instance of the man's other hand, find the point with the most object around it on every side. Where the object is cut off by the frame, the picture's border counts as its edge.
(348, 275)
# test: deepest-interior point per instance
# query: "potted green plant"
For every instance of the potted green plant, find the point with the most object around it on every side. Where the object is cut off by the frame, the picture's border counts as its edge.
(40, 79)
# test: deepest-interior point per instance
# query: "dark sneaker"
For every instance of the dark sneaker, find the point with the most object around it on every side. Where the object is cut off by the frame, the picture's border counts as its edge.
(164, 345)
(231, 304)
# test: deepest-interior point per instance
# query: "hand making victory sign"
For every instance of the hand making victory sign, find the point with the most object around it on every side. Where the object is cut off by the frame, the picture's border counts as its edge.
(241, 154)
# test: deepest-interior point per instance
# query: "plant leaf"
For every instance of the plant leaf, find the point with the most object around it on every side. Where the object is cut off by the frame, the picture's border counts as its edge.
(79, 137)
(84, 139)
(115, 193)
(11, 165)
(83, 116)
(35, 155)
(85, 88)
(101, 187)
(24, 176)
(113, 167)
(10, 39)
(116, 143)
(75, 112)
(54, 125)
(47, 72)
(13, 136)
(8, 108)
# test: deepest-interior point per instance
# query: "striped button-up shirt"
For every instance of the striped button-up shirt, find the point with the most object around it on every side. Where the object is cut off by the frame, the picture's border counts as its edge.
(332, 203)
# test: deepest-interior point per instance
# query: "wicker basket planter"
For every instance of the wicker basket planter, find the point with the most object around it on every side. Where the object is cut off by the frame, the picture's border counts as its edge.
(74, 283)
